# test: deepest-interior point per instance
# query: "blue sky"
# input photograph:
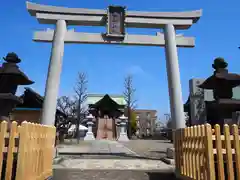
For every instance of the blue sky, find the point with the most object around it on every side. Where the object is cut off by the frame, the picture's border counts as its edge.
(217, 34)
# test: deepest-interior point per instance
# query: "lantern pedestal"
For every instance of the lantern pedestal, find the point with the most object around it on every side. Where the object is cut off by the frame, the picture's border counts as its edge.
(123, 135)
(89, 135)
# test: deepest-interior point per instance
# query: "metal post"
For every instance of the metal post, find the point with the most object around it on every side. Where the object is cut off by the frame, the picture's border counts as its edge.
(174, 84)
(54, 71)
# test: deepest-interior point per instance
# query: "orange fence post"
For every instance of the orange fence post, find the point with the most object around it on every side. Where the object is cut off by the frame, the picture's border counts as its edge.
(229, 159)
(237, 149)
(11, 150)
(29, 147)
(2, 143)
(209, 153)
(218, 142)
(21, 152)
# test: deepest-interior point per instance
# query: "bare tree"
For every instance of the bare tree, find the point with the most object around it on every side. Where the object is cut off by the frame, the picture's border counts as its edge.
(143, 126)
(129, 95)
(68, 106)
(81, 95)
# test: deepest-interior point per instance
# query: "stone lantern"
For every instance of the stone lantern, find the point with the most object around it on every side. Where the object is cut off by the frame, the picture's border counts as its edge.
(10, 77)
(222, 108)
(123, 135)
(89, 135)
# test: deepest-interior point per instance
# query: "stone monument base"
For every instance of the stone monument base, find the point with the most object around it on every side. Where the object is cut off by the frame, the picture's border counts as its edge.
(89, 136)
(171, 153)
(170, 159)
(123, 137)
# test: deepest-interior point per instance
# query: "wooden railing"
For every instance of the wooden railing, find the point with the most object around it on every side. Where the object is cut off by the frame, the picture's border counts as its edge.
(203, 153)
(26, 152)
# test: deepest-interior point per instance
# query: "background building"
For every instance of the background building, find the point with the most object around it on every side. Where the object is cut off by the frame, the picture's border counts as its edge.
(146, 122)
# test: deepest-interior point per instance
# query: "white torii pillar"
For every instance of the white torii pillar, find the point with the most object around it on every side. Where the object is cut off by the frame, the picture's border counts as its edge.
(173, 74)
(54, 72)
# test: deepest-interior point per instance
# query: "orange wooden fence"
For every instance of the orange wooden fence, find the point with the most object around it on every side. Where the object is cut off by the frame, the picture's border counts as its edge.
(203, 153)
(26, 152)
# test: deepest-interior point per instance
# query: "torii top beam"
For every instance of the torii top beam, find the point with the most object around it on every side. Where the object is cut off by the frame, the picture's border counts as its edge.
(95, 17)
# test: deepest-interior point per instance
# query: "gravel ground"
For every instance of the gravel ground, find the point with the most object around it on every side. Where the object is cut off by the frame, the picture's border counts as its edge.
(154, 149)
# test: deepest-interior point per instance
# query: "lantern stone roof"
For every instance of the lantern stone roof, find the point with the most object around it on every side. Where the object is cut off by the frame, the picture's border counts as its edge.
(210, 83)
(208, 96)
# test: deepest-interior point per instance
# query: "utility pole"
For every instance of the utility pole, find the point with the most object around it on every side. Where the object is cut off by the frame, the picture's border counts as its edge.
(167, 117)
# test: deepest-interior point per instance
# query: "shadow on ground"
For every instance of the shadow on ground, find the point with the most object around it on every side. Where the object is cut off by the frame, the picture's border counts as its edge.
(158, 176)
(158, 152)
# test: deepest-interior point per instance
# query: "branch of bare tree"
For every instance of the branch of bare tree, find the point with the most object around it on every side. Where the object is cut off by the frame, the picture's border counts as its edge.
(66, 105)
(81, 96)
(129, 96)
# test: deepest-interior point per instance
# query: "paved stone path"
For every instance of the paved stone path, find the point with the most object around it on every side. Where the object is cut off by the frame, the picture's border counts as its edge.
(96, 147)
(85, 162)
(154, 149)
(115, 164)
(111, 175)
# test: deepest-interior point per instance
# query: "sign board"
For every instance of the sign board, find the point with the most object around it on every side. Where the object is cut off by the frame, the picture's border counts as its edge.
(197, 102)
(116, 20)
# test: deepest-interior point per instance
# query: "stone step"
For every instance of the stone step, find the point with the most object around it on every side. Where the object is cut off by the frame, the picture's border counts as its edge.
(168, 161)
(75, 174)
(97, 147)
(105, 160)
(113, 164)
(100, 156)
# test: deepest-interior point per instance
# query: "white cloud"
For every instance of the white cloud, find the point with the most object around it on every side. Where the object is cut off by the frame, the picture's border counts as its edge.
(135, 70)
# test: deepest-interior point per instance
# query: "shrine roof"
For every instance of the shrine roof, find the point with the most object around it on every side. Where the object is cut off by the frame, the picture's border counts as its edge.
(94, 98)
(33, 101)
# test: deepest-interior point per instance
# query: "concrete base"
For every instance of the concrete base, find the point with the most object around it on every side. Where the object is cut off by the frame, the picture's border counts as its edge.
(170, 153)
(89, 136)
(123, 137)
(57, 160)
(168, 161)
(55, 152)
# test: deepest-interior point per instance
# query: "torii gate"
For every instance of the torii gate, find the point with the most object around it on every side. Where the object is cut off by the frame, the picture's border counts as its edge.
(62, 16)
